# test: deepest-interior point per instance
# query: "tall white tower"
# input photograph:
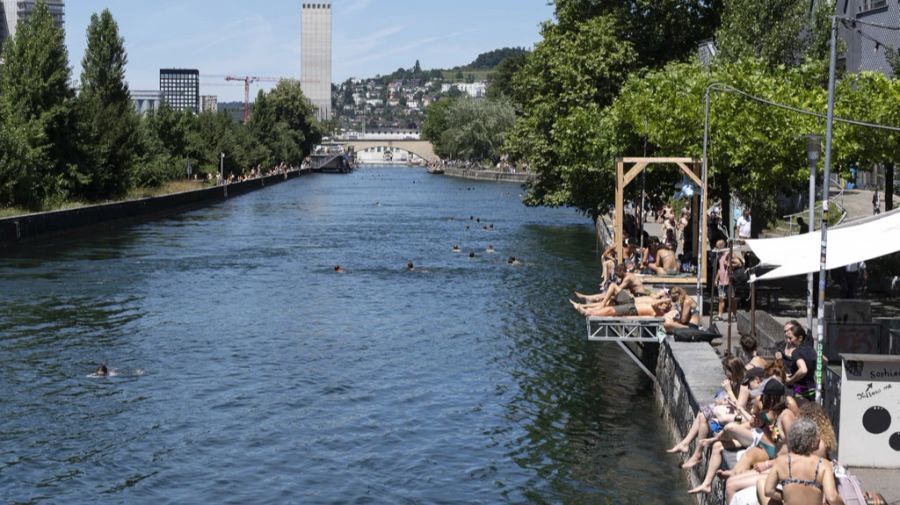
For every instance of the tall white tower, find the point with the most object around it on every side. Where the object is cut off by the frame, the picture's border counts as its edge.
(315, 56)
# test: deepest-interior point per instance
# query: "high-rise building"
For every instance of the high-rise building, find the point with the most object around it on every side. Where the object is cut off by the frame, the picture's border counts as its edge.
(18, 11)
(315, 56)
(180, 88)
(209, 103)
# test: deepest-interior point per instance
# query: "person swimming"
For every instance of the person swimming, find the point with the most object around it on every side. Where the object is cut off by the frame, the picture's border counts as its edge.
(410, 266)
(456, 248)
(490, 248)
(338, 269)
(512, 260)
(101, 371)
(471, 254)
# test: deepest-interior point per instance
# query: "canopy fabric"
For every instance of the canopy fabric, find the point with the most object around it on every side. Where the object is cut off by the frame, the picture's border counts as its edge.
(861, 240)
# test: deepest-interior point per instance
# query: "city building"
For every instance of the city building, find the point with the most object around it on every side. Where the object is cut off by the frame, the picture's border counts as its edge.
(180, 88)
(209, 103)
(315, 56)
(473, 89)
(869, 42)
(146, 101)
(17, 11)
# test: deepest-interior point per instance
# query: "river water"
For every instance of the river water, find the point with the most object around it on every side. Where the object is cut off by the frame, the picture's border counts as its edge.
(248, 371)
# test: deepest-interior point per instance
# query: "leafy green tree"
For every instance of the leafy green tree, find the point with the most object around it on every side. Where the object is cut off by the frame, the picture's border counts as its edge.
(297, 112)
(476, 128)
(659, 30)
(36, 120)
(166, 141)
(493, 58)
(436, 123)
(780, 32)
(500, 80)
(108, 118)
(575, 72)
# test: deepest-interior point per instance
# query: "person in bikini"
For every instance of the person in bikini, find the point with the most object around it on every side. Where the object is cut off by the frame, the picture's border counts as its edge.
(805, 478)
(666, 260)
(686, 313)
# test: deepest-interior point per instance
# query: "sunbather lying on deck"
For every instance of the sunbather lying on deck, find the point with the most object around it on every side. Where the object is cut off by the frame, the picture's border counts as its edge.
(631, 284)
(657, 308)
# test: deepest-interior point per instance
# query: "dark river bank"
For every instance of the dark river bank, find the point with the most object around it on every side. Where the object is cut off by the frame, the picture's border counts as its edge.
(248, 371)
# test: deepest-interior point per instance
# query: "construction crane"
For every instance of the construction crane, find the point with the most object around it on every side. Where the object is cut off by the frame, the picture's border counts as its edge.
(247, 80)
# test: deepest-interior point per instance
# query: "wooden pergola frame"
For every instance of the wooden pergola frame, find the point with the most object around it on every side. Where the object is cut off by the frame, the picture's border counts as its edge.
(690, 167)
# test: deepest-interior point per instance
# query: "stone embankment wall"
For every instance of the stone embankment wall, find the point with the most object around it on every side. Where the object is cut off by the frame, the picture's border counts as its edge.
(688, 376)
(18, 228)
(488, 175)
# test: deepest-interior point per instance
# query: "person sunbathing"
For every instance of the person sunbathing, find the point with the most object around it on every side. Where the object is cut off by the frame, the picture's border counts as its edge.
(666, 261)
(630, 284)
(686, 313)
(636, 308)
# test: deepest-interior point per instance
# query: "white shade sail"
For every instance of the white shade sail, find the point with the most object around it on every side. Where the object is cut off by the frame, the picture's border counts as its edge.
(860, 240)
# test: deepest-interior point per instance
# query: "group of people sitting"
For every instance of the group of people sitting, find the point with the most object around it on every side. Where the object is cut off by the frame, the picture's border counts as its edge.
(629, 297)
(654, 258)
(766, 409)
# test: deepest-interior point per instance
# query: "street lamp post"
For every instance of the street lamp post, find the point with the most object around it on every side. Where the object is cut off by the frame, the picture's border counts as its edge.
(813, 151)
(829, 126)
(221, 168)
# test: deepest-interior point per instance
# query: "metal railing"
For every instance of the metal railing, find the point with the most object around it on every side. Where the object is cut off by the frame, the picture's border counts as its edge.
(842, 211)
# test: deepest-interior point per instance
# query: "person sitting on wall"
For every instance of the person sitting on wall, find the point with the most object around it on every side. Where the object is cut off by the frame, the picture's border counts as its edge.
(712, 417)
(686, 313)
(666, 261)
(804, 476)
(751, 357)
(770, 420)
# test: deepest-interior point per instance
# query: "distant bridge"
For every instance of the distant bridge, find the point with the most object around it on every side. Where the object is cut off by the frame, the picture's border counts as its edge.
(422, 148)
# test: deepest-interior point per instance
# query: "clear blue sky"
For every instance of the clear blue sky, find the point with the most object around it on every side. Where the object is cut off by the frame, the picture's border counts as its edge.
(262, 38)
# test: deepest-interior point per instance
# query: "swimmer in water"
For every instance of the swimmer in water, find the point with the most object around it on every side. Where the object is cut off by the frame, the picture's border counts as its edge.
(456, 248)
(512, 260)
(471, 254)
(410, 266)
(490, 248)
(101, 371)
(338, 269)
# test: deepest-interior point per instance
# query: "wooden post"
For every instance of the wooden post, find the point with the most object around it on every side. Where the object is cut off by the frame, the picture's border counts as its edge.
(620, 208)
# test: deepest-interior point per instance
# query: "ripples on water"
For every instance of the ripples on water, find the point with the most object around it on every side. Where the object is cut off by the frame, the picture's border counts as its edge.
(250, 372)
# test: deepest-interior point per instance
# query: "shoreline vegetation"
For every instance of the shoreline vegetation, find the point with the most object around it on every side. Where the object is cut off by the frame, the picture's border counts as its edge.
(62, 147)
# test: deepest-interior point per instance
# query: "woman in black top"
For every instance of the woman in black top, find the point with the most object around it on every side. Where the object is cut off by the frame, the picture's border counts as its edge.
(799, 360)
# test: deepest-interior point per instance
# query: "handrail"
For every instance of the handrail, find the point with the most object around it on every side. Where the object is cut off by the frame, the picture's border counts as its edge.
(791, 218)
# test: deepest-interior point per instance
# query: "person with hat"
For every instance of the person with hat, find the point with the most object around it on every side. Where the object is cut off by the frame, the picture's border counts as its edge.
(762, 438)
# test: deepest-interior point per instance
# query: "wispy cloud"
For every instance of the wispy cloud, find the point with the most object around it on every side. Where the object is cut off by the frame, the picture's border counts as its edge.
(403, 48)
(354, 6)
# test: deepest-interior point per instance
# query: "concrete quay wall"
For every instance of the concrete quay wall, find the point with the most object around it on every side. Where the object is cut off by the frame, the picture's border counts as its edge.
(14, 230)
(688, 376)
(488, 175)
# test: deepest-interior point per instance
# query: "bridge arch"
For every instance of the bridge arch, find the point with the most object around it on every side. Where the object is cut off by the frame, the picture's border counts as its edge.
(421, 148)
